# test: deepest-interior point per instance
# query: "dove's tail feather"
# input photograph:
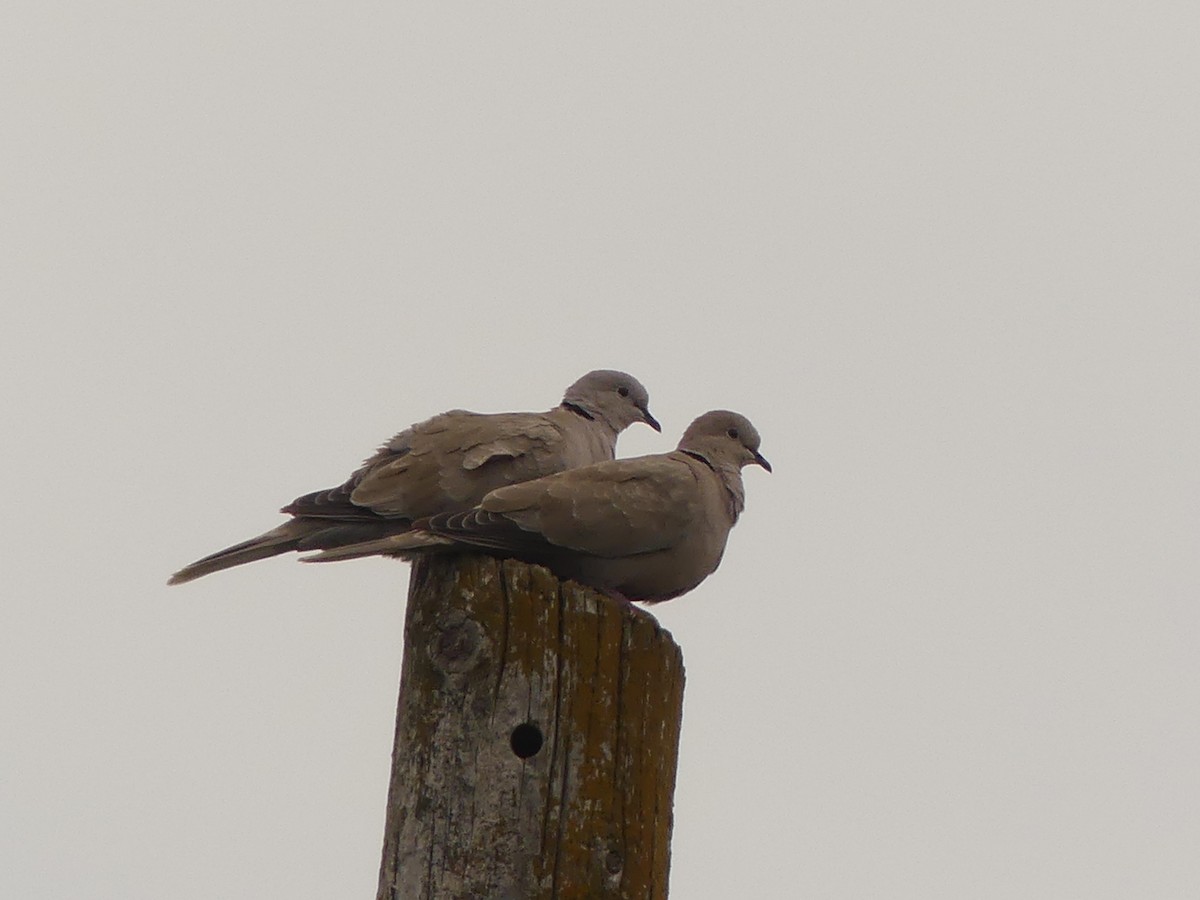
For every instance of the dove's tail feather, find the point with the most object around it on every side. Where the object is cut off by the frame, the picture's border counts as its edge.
(298, 534)
(279, 540)
(405, 545)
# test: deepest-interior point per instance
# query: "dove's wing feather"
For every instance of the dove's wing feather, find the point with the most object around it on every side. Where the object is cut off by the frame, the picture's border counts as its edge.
(618, 508)
(452, 461)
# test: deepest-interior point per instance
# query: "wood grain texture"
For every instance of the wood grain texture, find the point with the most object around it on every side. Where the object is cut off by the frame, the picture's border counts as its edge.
(490, 646)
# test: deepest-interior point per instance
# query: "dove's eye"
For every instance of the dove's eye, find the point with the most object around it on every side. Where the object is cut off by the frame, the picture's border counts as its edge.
(623, 391)
(733, 433)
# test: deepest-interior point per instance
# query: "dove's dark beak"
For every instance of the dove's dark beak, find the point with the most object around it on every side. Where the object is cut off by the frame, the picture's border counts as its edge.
(649, 419)
(762, 461)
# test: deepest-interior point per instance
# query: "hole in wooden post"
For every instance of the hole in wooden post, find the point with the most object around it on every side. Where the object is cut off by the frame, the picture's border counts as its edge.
(613, 864)
(526, 740)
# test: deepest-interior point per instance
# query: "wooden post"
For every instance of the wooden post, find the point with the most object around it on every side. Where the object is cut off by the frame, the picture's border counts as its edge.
(537, 735)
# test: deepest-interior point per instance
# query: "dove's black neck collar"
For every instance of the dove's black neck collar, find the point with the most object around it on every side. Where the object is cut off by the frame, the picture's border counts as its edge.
(579, 411)
(695, 455)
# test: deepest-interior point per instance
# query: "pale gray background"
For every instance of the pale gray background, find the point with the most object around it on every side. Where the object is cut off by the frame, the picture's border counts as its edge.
(945, 255)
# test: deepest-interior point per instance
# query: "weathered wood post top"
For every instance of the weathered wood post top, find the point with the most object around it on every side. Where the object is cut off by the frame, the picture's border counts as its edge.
(537, 735)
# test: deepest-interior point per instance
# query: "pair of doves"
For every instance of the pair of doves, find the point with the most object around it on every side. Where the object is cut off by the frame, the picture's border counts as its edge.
(541, 487)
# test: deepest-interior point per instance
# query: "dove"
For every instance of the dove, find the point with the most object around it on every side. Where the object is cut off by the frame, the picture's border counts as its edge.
(448, 464)
(647, 528)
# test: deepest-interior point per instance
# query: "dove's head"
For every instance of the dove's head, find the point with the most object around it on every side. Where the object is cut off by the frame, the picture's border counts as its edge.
(724, 439)
(614, 398)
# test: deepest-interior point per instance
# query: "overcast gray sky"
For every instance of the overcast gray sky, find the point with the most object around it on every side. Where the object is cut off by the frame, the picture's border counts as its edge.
(944, 255)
